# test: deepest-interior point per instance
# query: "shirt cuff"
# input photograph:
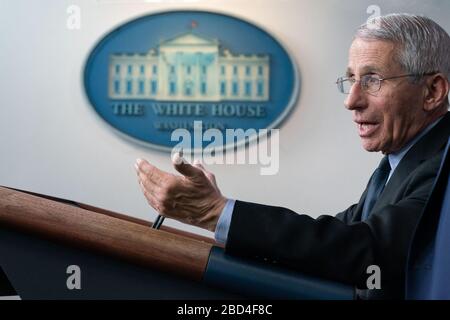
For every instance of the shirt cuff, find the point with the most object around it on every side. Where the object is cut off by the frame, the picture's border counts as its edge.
(223, 225)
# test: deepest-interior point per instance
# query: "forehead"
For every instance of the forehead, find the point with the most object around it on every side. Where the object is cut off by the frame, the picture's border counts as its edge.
(367, 56)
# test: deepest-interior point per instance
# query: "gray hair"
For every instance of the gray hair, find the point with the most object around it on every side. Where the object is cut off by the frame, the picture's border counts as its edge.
(422, 45)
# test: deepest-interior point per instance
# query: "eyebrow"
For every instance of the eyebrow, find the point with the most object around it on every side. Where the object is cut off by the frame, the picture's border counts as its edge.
(365, 70)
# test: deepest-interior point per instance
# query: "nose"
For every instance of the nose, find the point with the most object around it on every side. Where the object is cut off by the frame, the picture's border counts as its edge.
(356, 99)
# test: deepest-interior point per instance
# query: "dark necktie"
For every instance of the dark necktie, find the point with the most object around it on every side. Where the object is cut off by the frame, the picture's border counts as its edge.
(376, 186)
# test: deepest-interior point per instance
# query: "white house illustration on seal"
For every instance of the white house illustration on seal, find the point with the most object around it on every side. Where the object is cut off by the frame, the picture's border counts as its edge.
(189, 67)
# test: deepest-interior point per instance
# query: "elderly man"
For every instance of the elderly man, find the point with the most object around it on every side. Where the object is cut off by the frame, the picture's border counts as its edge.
(397, 85)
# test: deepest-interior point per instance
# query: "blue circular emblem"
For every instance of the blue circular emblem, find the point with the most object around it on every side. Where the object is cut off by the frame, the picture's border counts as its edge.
(179, 69)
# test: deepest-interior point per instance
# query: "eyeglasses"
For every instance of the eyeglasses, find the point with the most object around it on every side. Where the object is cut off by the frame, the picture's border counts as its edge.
(370, 83)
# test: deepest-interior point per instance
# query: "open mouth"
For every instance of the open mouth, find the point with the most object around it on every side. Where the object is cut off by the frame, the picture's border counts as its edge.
(365, 129)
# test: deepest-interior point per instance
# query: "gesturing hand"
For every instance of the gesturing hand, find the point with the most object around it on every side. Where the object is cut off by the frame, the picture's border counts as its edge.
(192, 198)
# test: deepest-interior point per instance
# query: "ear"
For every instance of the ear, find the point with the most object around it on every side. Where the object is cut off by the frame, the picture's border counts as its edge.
(436, 91)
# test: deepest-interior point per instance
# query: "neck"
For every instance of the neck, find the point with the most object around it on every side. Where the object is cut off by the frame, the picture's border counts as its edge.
(432, 118)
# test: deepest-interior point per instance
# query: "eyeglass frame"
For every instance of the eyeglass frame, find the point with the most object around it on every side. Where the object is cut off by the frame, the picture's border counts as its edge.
(340, 80)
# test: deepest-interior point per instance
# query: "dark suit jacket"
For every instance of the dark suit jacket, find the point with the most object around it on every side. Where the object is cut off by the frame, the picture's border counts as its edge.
(429, 257)
(342, 247)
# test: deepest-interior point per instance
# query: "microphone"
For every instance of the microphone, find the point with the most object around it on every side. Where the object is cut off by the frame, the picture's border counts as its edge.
(158, 222)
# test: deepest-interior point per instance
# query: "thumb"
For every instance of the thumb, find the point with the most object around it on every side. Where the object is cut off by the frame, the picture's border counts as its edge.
(185, 168)
(198, 164)
(207, 173)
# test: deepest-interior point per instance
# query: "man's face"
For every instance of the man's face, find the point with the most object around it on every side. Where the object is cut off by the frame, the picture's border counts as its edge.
(386, 120)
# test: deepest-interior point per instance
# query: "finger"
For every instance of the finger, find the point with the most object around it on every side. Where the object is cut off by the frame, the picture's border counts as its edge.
(150, 171)
(155, 200)
(149, 185)
(177, 158)
(198, 164)
(158, 192)
(151, 199)
(185, 168)
(208, 174)
(212, 178)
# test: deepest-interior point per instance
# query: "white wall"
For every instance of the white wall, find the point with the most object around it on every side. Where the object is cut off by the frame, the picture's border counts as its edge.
(52, 142)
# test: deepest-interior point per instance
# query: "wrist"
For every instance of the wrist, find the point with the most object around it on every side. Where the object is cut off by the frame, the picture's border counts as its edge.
(212, 217)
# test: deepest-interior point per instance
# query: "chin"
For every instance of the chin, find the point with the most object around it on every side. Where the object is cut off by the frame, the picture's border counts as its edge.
(370, 147)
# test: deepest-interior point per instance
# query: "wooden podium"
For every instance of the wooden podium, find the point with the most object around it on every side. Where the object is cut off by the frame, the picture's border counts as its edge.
(121, 257)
